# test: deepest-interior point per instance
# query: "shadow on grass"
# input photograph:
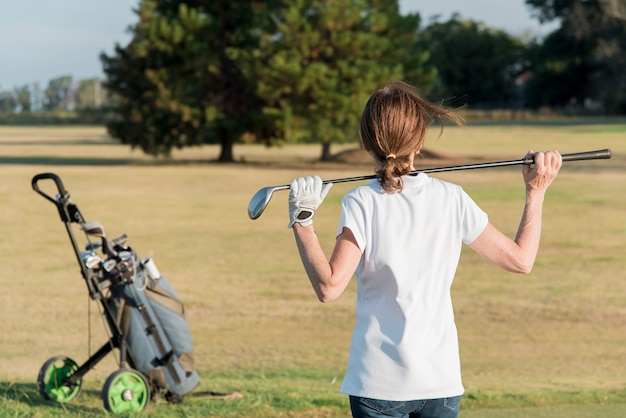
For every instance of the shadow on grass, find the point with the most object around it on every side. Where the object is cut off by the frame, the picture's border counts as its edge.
(25, 396)
(64, 142)
(103, 162)
(66, 161)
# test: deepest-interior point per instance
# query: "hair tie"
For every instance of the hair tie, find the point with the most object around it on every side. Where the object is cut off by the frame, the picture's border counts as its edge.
(390, 156)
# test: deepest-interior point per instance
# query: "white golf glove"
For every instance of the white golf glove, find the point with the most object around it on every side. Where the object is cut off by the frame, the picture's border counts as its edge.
(305, 196)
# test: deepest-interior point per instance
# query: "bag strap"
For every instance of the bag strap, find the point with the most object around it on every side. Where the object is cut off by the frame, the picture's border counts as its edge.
(159, 295)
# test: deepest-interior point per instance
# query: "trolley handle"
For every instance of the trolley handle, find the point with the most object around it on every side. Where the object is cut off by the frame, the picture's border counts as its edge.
(59, 184)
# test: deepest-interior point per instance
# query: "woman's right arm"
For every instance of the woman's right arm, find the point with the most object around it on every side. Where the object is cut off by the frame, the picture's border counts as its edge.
(329, 278)
(518, 255)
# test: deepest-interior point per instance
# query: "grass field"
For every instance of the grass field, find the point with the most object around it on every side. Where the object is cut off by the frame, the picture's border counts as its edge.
(550, 344)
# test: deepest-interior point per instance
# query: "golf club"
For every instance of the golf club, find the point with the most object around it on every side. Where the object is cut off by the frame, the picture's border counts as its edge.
(262, 198)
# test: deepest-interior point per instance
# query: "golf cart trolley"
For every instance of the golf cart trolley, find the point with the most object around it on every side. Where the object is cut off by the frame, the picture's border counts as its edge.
(144, 314)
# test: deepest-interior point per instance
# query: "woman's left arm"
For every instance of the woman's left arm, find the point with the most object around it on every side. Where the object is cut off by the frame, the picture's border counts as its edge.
(519, 255)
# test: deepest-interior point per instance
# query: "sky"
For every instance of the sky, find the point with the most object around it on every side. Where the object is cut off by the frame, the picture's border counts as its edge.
(44, 39)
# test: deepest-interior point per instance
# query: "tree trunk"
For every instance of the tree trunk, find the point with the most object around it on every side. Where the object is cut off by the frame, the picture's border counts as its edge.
(226, 153)
(326, 156)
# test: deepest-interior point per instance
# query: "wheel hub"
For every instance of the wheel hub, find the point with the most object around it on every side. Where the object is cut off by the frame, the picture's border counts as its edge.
(127, 395)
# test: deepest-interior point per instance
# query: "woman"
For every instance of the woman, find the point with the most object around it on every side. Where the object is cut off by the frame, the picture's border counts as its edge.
(402, 235)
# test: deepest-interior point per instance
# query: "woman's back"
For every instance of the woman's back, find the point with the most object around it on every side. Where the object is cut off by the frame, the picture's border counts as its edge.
(411, 243)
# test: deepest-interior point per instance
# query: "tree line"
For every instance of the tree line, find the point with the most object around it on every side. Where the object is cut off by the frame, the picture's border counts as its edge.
(224, 71)
(61, 94)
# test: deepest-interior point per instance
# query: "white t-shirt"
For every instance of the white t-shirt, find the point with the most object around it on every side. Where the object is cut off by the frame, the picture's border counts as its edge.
(405, 344)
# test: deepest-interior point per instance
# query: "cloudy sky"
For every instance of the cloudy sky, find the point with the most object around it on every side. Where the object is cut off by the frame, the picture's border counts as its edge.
(44, 39)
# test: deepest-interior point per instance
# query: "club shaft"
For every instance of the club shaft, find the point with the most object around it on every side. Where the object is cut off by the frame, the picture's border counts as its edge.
(578, 156)
(262, 198)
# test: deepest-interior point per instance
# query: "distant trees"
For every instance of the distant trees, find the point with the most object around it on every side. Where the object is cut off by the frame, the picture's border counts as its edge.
(61, 94)
(8, 102)
(23, 98)
(475, 64)
(89, 94)
(58, 94)
(582, 63)
(18, 99)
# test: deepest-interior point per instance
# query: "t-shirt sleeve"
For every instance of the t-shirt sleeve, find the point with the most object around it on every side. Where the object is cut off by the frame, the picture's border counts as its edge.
(353, 218)
(475, 219)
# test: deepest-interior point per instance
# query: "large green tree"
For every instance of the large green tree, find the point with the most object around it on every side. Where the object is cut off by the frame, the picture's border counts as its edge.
(180, 81)
(586, 55)
(218, 71)
(476, 64)
(324, 58)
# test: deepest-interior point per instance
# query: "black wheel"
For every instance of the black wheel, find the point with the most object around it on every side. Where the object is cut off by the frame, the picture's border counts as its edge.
(52, 380)
(125, 390)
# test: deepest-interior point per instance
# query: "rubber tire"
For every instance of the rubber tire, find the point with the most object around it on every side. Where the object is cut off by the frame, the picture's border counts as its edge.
(125, 390)
(54, 371)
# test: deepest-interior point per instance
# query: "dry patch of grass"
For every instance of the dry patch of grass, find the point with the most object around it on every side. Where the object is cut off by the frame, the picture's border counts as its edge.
(249, 304)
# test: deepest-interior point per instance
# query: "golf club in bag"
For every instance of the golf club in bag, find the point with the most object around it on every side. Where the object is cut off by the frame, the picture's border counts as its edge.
(262, 198)
(144, 314)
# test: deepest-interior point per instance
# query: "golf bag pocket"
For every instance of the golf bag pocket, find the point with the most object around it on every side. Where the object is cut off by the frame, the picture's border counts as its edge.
(158, 338)
(166, 304)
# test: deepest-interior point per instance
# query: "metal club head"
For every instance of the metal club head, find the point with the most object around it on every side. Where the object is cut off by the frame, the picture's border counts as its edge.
(259, 202)
(94, 228)
(261, 199)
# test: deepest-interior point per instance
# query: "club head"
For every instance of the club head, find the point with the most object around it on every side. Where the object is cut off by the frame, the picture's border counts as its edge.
(259, 202)
(94, 229)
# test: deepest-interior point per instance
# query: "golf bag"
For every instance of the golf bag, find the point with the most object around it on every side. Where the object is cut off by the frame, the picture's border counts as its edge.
(144, 314)
(152, 320)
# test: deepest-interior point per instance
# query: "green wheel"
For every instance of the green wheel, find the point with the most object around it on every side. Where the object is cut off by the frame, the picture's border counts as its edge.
(51, 380)
(125, 391)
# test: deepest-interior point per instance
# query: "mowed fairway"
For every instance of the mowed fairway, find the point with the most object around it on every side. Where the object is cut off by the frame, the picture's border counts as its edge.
(550, 344)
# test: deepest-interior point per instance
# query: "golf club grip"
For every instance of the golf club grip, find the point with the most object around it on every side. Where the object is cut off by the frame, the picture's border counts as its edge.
(601, 154)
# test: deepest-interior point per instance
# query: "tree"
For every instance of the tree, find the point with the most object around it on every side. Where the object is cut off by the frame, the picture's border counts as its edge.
(58, 94)
(323, 59)
(560, 76)
(202, 71)
(180, 80)
(37, 98)
(592, 40)
(8, 102)
(475, 63)
(89, 94)
(23, 98)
